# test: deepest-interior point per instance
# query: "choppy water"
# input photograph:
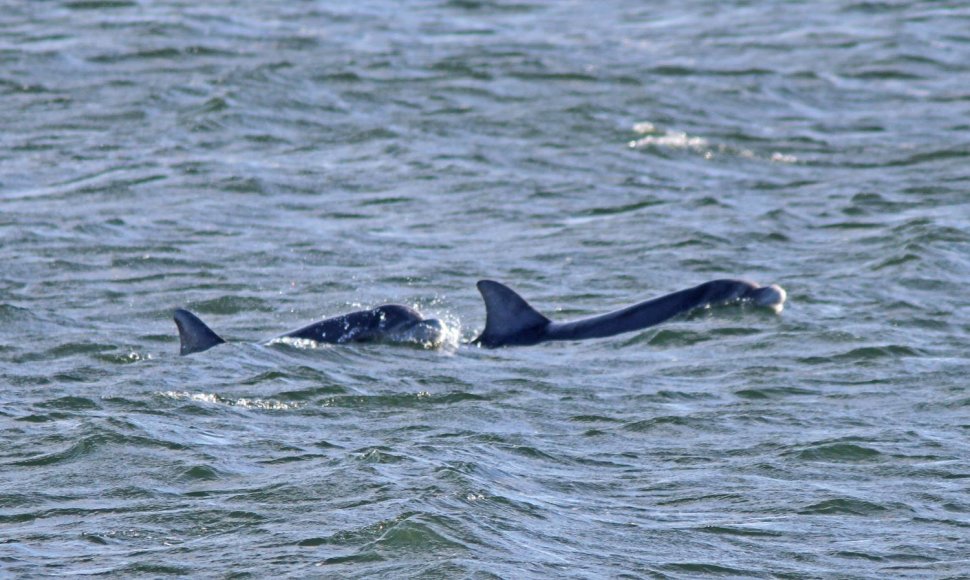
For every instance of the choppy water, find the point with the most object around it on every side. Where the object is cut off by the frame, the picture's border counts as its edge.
(269, 165)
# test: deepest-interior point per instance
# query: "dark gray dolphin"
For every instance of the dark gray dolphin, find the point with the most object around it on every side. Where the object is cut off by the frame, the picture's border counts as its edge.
(391, 323)
(510, 321)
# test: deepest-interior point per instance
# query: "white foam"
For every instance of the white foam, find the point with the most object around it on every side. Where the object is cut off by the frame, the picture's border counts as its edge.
(671, 139)
(644, 127)
(213, 399)
(665, 138)
(301, 343)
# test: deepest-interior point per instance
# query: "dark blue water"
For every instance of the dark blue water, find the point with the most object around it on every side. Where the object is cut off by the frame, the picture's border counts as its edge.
(266, 166)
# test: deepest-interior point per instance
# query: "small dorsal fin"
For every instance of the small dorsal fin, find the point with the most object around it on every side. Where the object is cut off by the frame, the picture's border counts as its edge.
(508, 317)
(194, 335)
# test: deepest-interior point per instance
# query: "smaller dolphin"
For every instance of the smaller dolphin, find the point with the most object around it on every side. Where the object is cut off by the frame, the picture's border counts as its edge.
(389, 323)
(511, 321)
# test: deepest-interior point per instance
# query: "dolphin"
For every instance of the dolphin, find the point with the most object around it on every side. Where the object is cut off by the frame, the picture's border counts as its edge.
(388, 323)
(511, 321)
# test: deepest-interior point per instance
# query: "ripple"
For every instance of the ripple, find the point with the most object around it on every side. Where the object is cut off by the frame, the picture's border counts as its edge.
(70, 404)
(98, 4)
(11, 314)
(227, 305)
(203, 473)
(867, 354)
(67, 350)
(839, 452)
(403, 400)
(709, 569)
(85, 447)
(774, 392)
(421, 533)
(739, 531)
(844, 506)
(672, 422)
(409, 533)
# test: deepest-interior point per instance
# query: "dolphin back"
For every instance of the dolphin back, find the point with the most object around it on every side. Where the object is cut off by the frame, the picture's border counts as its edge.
(509, 319)
(652, 312)
(194, 335)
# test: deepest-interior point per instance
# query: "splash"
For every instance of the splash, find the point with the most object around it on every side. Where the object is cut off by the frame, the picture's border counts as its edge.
(448, 336)
(451, 333)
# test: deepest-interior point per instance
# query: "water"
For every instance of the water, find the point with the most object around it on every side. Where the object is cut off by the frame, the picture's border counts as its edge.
(266, 166)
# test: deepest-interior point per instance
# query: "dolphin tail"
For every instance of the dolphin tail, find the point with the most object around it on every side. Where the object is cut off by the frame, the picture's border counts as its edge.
(508, 317)
(194, 335)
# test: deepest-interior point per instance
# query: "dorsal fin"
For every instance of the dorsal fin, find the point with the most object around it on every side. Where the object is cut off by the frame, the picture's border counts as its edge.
(194, 335)
(508, 317)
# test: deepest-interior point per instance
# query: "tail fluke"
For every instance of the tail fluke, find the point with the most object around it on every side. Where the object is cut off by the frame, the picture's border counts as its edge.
(194, 335)
(509, 320)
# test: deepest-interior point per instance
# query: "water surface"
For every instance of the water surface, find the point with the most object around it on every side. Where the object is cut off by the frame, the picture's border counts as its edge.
(267, 166)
